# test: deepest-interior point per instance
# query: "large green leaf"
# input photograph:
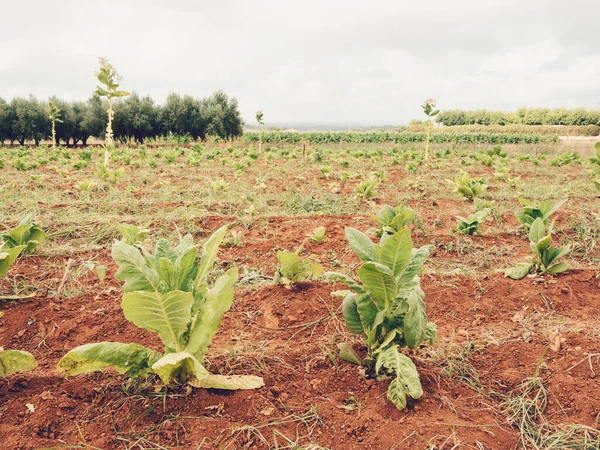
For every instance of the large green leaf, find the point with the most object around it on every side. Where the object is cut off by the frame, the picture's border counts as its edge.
(130, 359)
(553, 254)
(8, 256)
(120, 94)
(415, 265)
(134, 269)
(168, 314)
(208, 255)
(351, 316)
(290, 265)
(558, 268)
(407, 378)
(555, 208)
(374, 329)
(367, 310)
(430, 333)
(209, 314)
(170, 366)
(348, 354)
(519, 271)
(340, 277)
(228, 382)
(27, 234)
(415, 320)
(12, 361)
(537, 230)
(396, 251)
(380, 282)
(361, 244)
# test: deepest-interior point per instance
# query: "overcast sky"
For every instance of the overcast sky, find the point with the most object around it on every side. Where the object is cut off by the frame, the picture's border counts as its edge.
(369, 62)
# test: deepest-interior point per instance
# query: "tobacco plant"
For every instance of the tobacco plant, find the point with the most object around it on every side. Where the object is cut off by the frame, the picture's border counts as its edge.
(132, 234)
(317, 236)
(545, 257)
(470, 225)
(391, 220)
(293, 269)
(54, 116)
(531, 211)
(469, 187)
(428, 108)
(26, 234)
(367, 190)
(167, 292)
(260, 121)
(386, 307)
(109, 78)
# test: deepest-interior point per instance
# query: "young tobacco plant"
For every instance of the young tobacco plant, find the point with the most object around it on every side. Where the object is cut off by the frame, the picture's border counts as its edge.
(132, 234)
(469, 187)
(531, 211)
(390, 220)
(367, 190)
(317, 236)
(293, 269)
(167, 292)
(430, 111)
(386, 307)
(545, 257)
(28, 235)
(470, 225)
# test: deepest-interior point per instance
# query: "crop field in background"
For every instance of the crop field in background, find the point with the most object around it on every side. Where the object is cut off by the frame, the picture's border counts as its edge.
(515, 363)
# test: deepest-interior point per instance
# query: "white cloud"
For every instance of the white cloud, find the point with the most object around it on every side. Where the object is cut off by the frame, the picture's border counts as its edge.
(335, 60)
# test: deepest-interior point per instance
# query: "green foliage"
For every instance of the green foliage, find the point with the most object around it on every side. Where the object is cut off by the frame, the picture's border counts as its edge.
(483, 205)
(595, 160)
(390, 220)
(8, 255)
(318, 235)
(110, 79)
(26, 234)
(331, 137)
(514, 129)
(367, 190)
(525, 116)
(387, 307)
(471, 224)
(26, 119)
(105, 173)
(293, 269)
(565, 158)
(531, 211)
(545, 257)
(167, 292)
(12, 361)
(132, 234)
(469, 187)
(54, 116)
(430, 111)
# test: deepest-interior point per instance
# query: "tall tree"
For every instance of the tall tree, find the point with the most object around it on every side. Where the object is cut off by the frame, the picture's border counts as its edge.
(136, 117)
(29, 121)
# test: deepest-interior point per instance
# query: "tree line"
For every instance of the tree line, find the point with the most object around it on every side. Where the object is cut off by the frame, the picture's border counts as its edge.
(523, 116)
(136, 117)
